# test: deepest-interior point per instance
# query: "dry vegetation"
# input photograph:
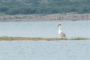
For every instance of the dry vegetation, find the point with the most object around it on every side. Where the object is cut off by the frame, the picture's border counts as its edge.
(44, 17)
(5, 38)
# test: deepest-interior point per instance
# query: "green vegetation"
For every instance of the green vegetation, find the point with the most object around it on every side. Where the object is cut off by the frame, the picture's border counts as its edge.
(79, 38)
(6, 38)
(9, 38)
(13, 7)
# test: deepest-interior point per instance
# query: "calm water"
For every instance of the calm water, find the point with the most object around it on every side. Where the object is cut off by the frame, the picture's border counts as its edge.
(45, 29)
(45, 50)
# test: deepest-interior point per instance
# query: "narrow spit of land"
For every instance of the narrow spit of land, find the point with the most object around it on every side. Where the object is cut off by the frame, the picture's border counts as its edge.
(5, 38)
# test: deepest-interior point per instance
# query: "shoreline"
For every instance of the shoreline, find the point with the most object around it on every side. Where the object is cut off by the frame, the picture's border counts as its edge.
(5, 38)
(44, 17)
(43, 21)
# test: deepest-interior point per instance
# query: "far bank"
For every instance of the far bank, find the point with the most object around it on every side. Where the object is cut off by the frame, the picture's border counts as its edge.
(44, 17)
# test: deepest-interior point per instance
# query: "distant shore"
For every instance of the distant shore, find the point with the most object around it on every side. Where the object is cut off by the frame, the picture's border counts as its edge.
(44, 17)
(5, 38)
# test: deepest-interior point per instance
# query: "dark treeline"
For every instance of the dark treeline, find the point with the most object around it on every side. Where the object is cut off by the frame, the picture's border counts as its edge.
(44, 6)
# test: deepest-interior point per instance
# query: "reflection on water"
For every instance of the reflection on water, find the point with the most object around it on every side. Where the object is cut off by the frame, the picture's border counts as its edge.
(45, 29)
(45, 50)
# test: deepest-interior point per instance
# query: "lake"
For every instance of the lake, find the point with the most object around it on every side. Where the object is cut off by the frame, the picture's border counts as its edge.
(45, 50)
(72, 29)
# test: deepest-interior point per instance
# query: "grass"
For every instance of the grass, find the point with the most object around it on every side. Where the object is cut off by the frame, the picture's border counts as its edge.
(79, 38)
(6, 38)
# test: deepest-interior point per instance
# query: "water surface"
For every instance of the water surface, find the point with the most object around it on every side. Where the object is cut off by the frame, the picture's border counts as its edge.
(45, 50)
(45, 29)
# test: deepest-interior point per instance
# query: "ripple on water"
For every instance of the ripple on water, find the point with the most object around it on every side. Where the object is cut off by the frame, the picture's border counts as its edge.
(45, 50)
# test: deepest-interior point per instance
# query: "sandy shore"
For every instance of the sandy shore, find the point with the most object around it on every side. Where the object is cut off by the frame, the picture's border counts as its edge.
(44, 17)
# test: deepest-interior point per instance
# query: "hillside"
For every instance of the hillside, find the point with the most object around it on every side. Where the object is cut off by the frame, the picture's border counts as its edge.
(13, 7)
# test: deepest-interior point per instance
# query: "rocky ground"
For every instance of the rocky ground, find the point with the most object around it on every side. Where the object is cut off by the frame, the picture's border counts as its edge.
(44, 17)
